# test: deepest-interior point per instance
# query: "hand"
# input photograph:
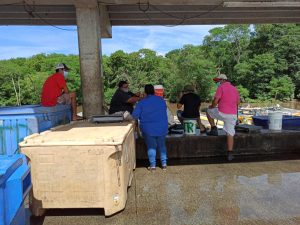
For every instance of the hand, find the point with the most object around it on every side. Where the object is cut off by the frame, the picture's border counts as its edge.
(138, 94)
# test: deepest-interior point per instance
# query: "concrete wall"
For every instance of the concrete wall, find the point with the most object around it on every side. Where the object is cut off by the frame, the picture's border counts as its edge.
(207, 146)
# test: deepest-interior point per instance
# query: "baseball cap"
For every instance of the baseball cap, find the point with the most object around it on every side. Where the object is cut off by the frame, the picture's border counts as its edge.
(62, 66)
(220, 77)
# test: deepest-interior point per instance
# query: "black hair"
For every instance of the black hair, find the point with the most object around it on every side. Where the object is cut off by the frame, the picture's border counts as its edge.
(57, 70)
(149, 89)
(121, 83)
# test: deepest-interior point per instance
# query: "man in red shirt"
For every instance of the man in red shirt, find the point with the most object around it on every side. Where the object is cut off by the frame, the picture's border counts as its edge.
(55, 90)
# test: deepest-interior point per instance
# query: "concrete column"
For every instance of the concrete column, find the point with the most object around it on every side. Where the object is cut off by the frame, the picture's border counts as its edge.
(88, 23)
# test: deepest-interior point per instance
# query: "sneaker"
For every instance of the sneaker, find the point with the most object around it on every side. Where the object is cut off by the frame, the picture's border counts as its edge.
(213, 131)
(230, 156)
(151, 169)
(164, 168)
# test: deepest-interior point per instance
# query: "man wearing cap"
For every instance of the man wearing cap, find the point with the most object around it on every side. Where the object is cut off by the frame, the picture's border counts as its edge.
(191, 103)
(55, 90)
(123, 100)
(224, 107)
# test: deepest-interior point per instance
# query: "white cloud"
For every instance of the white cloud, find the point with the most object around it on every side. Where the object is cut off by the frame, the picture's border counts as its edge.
(25, 41)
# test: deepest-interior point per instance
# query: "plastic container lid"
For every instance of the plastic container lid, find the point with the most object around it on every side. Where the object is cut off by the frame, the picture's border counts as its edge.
(158, 86)
(8, 165)
(31, 109)
(81, 133)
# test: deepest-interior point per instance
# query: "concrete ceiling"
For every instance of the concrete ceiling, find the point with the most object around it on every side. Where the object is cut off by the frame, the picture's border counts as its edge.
(156, 12)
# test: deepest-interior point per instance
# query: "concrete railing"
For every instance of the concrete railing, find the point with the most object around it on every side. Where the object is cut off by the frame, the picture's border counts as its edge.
(265, 143)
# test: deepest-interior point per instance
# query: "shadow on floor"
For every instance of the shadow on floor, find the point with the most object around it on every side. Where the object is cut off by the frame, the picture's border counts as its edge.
(39, 220)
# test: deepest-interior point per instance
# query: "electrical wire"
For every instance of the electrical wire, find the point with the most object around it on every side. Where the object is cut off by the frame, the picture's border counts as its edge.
(188, 18)
(164, 25)
(143, 10)
(182, 19)
(150, 6)
(31, 12)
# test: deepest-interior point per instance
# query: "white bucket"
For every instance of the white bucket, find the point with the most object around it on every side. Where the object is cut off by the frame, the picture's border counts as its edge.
(189, 127)
(275, 120)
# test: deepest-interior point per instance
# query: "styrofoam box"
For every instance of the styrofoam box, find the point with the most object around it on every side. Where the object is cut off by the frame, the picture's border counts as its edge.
(81, 165)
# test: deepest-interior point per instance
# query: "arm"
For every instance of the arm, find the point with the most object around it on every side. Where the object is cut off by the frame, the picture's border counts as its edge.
(179, 106)
(238, 100)
(61, 82)
(136, 114)
(134, 94)
(214, 103)
(181, 102)
(217, 98)
(133, 100)
(66, 90)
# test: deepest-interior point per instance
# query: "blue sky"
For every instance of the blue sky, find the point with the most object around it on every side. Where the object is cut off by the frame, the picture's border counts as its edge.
(25, 41)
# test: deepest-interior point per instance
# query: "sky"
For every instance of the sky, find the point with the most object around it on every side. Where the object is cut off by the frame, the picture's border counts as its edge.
(26, 41)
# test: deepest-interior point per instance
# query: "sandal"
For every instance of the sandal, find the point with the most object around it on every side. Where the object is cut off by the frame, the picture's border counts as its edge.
(151, 169)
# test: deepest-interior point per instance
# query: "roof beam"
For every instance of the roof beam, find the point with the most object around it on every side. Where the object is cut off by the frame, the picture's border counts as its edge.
(204, 21)
(119, 2)
(105, 25)
(212, 15)
(59, 22)
(188, 8)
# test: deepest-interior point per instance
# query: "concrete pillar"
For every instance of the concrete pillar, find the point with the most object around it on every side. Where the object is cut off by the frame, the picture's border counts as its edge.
(88, 23)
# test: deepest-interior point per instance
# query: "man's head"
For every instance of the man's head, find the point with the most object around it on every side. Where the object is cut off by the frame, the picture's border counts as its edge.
(220, 78)
(149, 89)
(123, 85)
(62, 68)
(188, 88)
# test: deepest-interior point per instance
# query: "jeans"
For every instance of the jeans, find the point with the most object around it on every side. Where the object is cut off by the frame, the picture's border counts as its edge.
(153, 143)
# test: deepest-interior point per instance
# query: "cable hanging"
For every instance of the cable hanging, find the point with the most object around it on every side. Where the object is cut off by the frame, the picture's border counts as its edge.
(31, 12)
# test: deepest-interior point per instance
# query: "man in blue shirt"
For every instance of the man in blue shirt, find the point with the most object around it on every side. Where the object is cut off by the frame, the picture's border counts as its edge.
(152, 113)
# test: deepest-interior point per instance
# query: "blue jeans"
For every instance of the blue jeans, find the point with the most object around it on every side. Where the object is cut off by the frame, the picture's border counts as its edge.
(153, 143)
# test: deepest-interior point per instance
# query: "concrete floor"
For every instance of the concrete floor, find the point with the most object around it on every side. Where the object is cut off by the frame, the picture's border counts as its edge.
(211, 194)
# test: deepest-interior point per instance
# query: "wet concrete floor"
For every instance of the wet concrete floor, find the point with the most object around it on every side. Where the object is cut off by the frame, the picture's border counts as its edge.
(212, 194)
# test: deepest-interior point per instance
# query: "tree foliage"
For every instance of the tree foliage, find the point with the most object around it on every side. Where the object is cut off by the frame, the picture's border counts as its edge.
(263, 61)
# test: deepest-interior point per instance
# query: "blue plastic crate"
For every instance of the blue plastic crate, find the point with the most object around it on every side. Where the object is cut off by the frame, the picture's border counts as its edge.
(20, 218)
(261, 121)
(18, 122)
(288, 122)
(15, 184)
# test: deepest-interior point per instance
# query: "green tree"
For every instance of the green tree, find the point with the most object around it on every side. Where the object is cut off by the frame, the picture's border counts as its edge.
(194, 69)
(281, 88)
(244, 93)
(256, 73)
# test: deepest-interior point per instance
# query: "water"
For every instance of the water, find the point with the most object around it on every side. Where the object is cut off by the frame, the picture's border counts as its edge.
(295, 104)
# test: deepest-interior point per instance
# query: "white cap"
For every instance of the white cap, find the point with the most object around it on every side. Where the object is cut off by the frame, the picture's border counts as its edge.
(62, 66)
(220, 77)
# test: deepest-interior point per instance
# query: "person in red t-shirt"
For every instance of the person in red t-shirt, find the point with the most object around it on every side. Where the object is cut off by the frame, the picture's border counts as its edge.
(55, 90)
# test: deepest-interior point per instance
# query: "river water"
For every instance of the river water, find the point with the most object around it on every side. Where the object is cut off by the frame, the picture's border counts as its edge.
(295, 104)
